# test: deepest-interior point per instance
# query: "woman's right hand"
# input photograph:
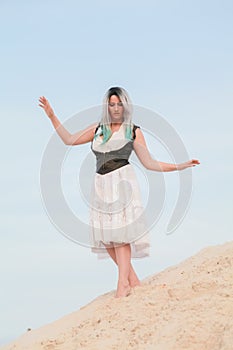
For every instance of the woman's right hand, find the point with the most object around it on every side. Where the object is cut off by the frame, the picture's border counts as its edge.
(44, 103)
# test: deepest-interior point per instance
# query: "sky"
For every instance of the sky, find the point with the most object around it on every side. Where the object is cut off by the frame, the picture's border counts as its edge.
(173, 57)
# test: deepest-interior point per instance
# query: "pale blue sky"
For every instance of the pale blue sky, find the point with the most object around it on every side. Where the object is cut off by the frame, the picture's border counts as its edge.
(174, 57)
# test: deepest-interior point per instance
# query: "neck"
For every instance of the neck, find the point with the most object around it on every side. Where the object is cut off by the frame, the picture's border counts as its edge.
(115, 123)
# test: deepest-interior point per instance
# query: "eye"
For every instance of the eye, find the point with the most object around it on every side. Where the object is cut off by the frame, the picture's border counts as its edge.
(120, 104)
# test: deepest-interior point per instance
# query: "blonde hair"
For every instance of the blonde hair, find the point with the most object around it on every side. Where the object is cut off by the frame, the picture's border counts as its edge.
(127, 113)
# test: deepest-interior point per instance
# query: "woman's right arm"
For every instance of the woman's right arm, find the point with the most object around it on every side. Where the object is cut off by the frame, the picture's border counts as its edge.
(80, 137)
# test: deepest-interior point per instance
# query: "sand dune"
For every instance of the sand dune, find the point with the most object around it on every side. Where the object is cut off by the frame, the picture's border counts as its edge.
(187, 306)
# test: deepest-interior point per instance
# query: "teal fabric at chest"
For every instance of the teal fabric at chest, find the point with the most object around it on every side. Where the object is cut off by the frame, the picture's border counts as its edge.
(114, 159)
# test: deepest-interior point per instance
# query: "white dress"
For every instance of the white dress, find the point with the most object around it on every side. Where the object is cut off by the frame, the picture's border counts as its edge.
(116, 214)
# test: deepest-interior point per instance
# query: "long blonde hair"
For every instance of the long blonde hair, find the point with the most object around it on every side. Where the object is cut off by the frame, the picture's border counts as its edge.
(127, 113)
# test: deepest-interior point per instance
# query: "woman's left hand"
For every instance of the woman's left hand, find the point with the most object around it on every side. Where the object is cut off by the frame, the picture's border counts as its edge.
(188, 164)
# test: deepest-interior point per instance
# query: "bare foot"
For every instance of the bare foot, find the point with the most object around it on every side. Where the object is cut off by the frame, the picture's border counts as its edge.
(134, 283)
(123, 290)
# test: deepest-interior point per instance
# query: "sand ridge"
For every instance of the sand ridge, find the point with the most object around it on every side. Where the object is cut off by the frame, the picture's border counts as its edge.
(187, 306)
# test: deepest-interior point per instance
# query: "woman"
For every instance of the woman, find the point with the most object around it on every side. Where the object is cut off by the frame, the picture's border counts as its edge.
(117, 224)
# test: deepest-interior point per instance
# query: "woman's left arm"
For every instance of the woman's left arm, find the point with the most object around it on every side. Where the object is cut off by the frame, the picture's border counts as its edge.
(149, 163)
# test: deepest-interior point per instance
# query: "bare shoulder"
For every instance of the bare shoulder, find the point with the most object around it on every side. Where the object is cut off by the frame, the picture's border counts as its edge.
(139, 137)
(85, 135)
(91, 129)
(94, 126)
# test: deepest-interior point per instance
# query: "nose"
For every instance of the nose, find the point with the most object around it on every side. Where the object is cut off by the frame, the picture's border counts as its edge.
(116, 107)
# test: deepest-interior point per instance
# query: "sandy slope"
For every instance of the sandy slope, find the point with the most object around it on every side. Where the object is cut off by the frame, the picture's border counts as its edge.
(187, 306)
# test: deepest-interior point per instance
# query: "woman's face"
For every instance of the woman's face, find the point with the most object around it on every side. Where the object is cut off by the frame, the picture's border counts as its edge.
(116, 109)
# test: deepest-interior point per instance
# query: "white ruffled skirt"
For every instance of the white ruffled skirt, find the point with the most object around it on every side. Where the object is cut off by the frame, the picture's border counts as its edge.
(117, 215)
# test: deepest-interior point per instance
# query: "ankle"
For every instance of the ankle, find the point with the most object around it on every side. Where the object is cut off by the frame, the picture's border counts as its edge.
(123, 282)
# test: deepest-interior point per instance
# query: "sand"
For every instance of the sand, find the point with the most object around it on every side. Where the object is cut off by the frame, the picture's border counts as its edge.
(187, 306)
